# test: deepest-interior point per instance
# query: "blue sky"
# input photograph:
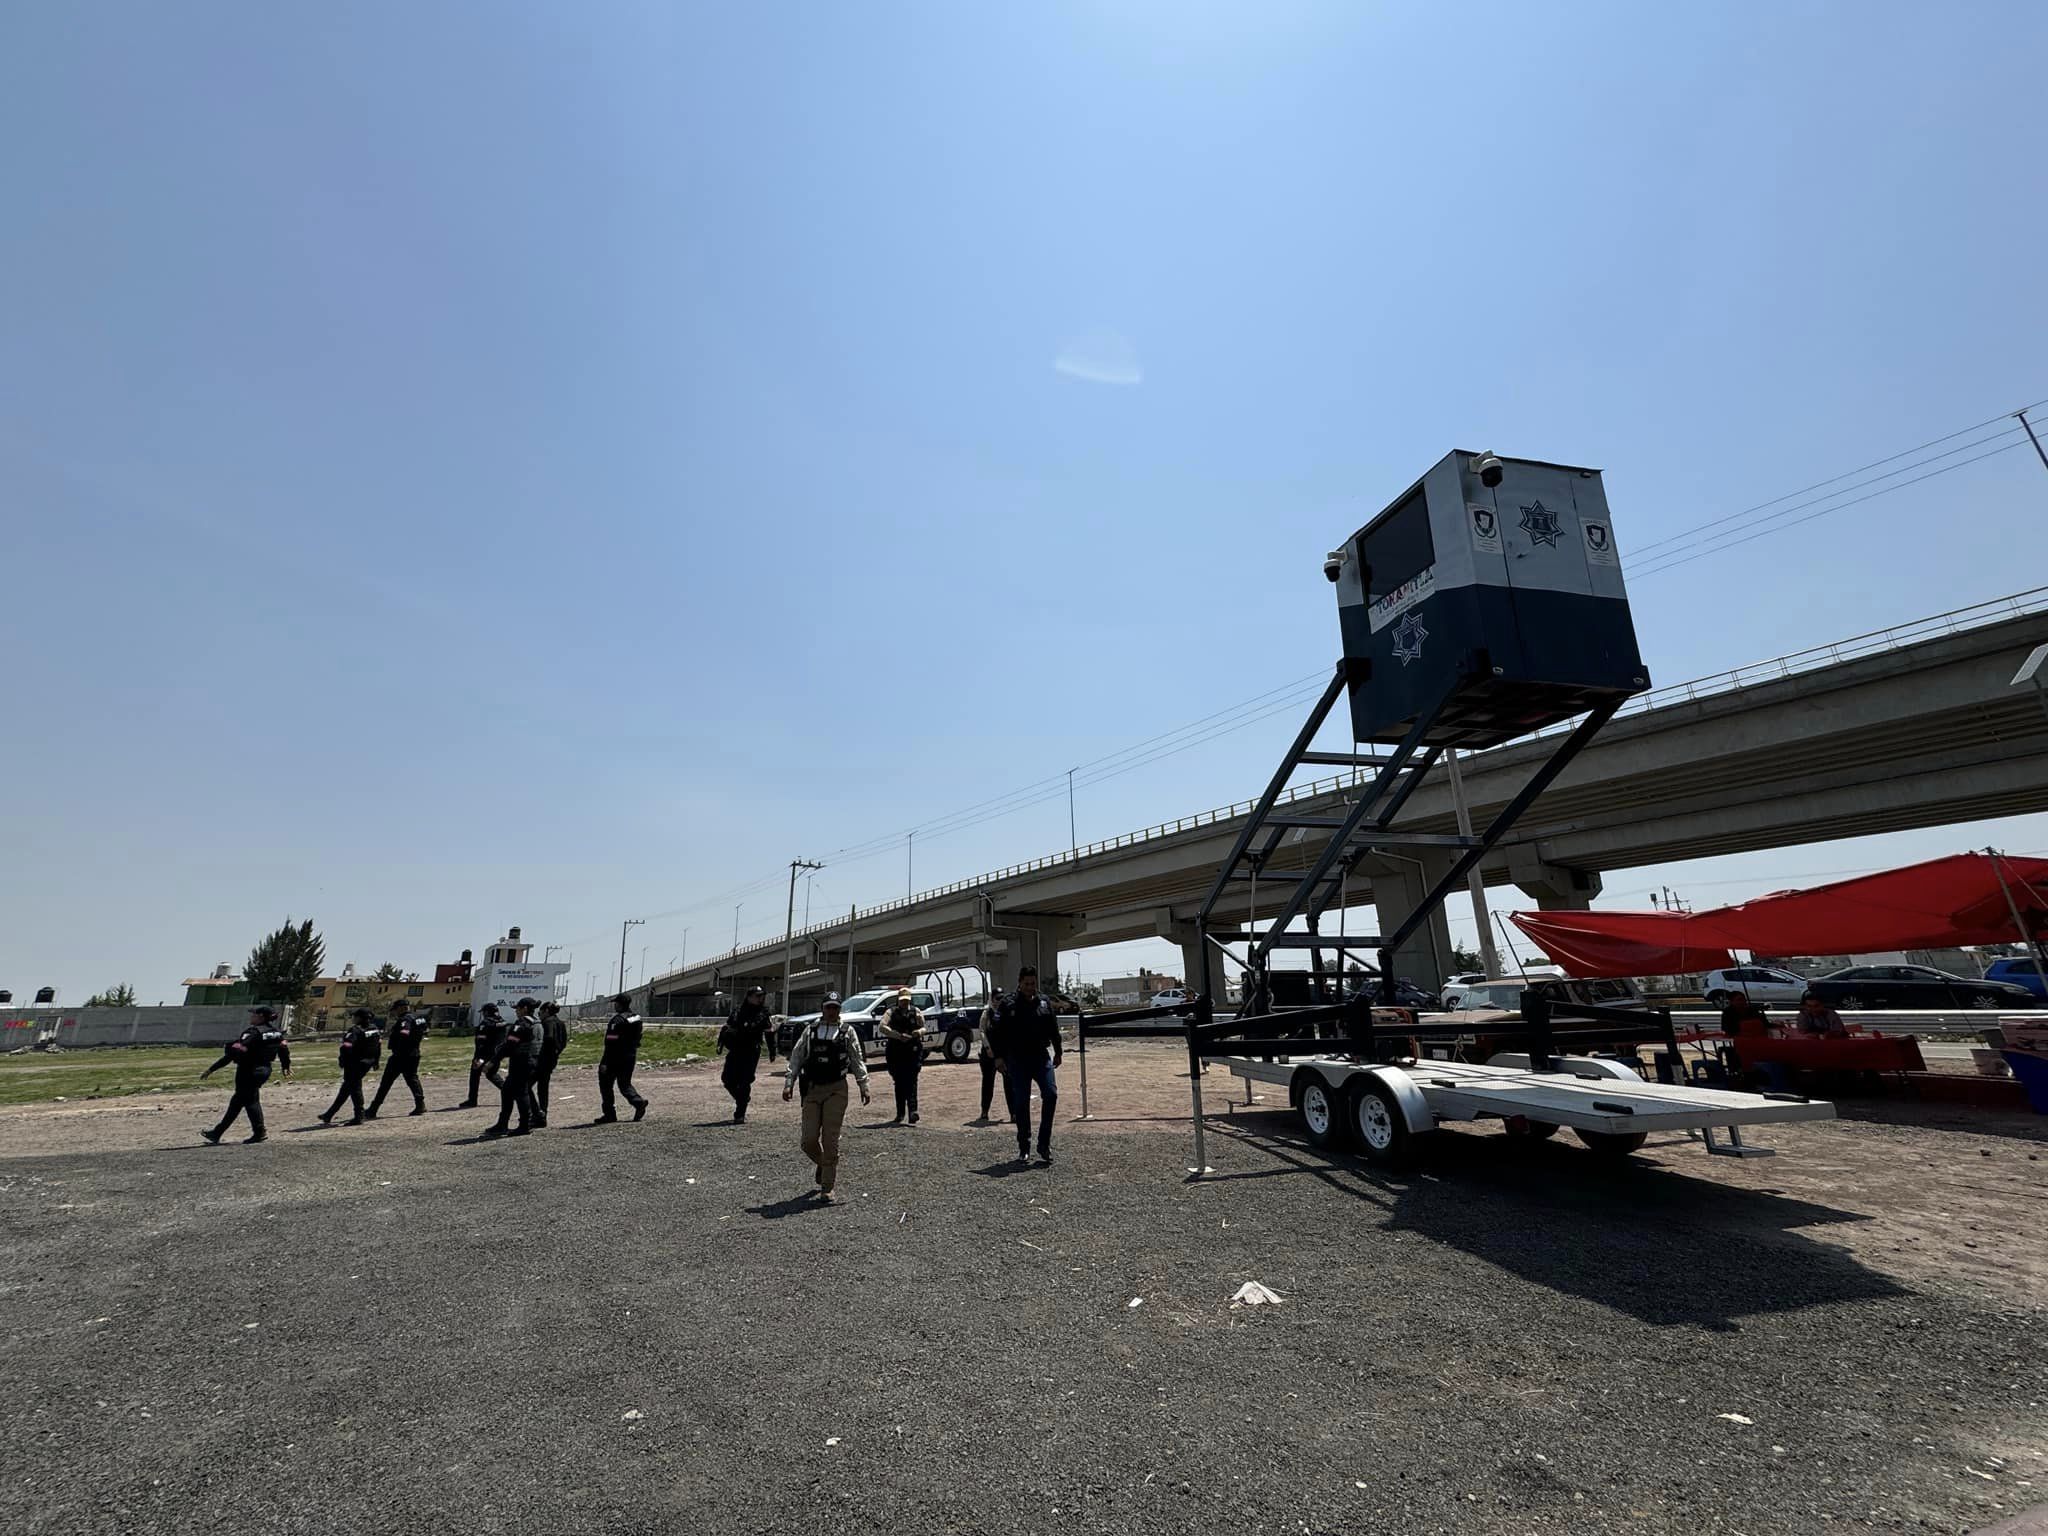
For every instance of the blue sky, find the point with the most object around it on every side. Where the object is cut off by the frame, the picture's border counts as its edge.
(475, 464)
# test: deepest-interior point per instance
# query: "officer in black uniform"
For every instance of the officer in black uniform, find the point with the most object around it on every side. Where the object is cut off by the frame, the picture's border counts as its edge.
(746, 1028)
(903, 1052)
(520, 1051)
(554, 1039)
(615, 1066)
(405, 1035)
(490, 1034)
(1026, 1038)
(360, 1048)
(251, 1054)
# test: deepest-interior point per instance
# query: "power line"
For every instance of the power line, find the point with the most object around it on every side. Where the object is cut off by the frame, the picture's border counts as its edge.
(1685, 533)
(1656, 570)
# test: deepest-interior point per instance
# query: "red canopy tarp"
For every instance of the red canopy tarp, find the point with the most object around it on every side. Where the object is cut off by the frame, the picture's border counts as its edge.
(1944, 902)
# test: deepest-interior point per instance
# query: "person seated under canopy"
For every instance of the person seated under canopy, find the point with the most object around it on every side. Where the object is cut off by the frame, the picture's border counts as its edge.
(1817, 1018)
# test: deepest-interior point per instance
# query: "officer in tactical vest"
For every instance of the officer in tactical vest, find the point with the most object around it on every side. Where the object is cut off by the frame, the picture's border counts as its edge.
(747, 1028)
(615, 1066)
(554, 1039)
(404, 1036)
(903, 1052)
(251, 1054)
(361, 1045)
(490, 1034)
(822, 1056)
(520, 1051)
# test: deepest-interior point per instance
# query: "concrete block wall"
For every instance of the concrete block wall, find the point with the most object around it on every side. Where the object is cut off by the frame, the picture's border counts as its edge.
(23, 1028)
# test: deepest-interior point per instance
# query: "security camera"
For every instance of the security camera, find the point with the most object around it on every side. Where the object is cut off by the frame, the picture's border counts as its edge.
(1487, 467)
(1333, 564)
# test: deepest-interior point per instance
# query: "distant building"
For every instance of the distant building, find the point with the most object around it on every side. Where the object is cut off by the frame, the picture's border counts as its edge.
(223, 989)
(508, 975)
(1133, 991)
(331, 999)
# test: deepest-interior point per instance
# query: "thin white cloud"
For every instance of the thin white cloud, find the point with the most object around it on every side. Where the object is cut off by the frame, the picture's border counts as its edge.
(1100, 357)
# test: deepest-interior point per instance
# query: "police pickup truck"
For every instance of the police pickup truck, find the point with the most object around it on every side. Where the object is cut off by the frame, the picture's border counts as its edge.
(949, 1031)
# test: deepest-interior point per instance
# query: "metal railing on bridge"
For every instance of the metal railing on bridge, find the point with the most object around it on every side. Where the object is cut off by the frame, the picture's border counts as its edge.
(1874, 642)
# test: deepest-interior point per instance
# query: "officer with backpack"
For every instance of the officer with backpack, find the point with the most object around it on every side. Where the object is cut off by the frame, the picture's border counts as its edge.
(615, 1066)
(520, 1051)
(405, 1035)
(554, 1039)
(822, 1056)
(250, 1054)
(490, 1034)
(361, 1045)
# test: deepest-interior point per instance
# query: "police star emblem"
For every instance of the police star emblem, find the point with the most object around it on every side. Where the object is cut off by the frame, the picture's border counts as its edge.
(1540, 523)
(1408, 637)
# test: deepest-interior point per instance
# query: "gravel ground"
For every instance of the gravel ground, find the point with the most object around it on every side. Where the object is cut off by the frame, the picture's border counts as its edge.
(650, 1328)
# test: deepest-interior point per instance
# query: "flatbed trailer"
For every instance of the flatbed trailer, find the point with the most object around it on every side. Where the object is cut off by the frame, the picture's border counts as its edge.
(1389, 1109)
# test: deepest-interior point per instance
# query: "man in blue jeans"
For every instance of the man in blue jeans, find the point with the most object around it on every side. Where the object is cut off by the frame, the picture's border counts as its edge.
(1025, 1034)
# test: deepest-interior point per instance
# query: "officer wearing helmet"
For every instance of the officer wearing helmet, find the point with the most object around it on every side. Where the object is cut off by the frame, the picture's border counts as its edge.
(747, 1028)
(822, 1056)
(250, 1054)
(490, 1034)
(361, 1045)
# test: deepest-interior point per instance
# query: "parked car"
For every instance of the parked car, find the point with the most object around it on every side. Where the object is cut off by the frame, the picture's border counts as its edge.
(1763, 984)
(1504, 993)
(1172, 997)
(1914, 986)
(2019, 973)
(864, 1011)
(1463, 979)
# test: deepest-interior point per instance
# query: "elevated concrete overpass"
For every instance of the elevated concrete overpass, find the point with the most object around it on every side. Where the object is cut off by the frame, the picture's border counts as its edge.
(1914, 726)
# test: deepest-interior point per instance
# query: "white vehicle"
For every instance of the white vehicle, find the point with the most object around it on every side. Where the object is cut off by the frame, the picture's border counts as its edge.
(1763, 984)
(1505, 993)
(1462, 979)
(1172, 997)
(863, 1012)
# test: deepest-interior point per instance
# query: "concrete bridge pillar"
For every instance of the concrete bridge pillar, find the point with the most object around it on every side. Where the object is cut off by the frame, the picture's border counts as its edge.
(1031, 940)
(1398, 886)
(1553, 887)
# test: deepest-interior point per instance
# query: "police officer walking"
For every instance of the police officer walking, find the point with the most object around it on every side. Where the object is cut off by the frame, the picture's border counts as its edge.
(520, 1051)
(615, 1066)
(361, 1045)
(987, 1055)
(554, 1039)
(490, 1034)
(250, 1054)
(903, 1052)
(746, 1029)
(1026, 1039)
(404, 1035)
(822, 1056)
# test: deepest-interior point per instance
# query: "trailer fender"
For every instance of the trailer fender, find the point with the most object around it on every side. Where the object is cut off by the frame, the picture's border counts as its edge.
(1578, 1066)
(1414, 1107)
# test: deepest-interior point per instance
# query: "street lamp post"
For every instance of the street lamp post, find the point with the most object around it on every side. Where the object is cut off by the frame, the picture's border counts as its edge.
(789, 924)
(629, 923)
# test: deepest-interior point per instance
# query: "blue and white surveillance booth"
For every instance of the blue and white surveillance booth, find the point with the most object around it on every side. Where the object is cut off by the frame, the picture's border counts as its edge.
(1493, 585)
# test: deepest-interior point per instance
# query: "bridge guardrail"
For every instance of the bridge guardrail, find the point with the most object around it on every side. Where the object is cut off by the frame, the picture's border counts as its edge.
(1874, 642)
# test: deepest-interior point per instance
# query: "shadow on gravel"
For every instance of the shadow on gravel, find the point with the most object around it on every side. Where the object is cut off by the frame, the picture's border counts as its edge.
(1659, 1246)
(1006, 1169)
(795, 1205)
(2014, 1125)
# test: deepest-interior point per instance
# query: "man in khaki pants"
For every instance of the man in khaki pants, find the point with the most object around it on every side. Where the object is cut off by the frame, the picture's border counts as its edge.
(822, 1056)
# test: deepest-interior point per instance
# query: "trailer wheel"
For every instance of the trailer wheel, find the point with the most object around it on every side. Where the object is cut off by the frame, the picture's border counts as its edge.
(959, 1045)
(1381, 1126)
(1612, 1144)
(1322, 1112)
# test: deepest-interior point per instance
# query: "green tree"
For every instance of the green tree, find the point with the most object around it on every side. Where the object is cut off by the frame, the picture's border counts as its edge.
(1087, 993)
(121, 996)
(388, 972)
(1463, 959)
(285, 963)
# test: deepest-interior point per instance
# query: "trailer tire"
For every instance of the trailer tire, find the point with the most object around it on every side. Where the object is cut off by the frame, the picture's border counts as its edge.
(1612, 1144)
(1380, 1126)
(959, 1046)
(1322, 1112)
